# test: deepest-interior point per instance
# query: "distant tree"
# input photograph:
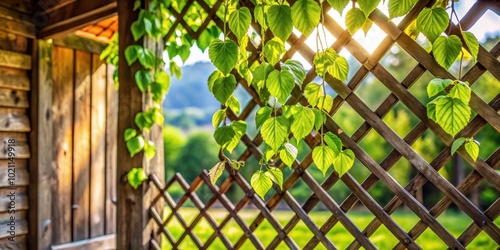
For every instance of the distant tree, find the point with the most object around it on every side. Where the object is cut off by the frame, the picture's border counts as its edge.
(173, 142)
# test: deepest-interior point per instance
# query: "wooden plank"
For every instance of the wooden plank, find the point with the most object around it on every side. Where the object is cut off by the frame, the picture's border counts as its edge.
(21, 145)
(80, 43)
(76, 15)
(15, 60)
(24, 29)
(13, 98)
(12, 42)
(62, 100)
(14, 120)
(21, 179)
(41, 171)
(111, 139)
(101, 242)
(98, 147)
(21, 229)
(20, 243)
(21, 199)
(14, 79)
(81, 147)
(24, 6)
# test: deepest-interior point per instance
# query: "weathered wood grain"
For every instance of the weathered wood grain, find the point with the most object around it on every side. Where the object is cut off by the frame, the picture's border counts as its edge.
(111, 140)
(14, 79)
(13, 98)
(81, 146)
(101, 242)
(14, 120)
(15, 60)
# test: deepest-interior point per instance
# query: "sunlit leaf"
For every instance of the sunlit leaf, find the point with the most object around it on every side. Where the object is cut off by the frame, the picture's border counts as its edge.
(261, 183)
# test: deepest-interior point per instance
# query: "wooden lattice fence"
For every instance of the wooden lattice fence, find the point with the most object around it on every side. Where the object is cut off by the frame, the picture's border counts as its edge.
(487, 113)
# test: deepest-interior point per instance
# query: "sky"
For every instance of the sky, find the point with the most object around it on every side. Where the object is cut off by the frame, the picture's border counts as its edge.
(487, 25)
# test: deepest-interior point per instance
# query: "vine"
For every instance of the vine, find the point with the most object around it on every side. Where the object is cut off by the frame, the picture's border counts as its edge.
(274, 79)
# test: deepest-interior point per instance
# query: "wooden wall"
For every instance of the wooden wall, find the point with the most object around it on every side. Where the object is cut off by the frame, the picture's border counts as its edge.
(83, 121)
(16, 33)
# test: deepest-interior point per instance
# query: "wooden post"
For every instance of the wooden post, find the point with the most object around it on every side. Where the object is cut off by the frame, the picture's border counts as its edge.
(134, 228)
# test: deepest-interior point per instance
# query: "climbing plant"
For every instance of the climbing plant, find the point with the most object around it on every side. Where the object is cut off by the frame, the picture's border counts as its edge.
(275, 79)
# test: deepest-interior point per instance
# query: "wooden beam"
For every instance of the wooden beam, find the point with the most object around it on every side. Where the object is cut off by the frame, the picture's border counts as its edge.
(75, 15)
(133, 204)
(101, 242)
(80, 43)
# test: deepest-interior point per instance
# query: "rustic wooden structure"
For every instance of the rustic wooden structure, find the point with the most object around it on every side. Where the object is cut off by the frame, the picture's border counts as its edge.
(58, 104)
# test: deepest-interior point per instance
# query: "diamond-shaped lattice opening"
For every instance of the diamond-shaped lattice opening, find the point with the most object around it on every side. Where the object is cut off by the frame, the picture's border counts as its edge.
(195, 18)
(301, 234)
(218, 213)
(371, 90)
(340, 190)
(435, 243)
(203, 230)
(405, 218)
(398, 62)
(483, 241)
(489, 139)
(187, 243)
(370, 40)
(485, 195)
(265, 232)
(164, 243)
(419, 88)
(455, 221)
(233, 231)
(486, 87)
(383, 238)
(204, 193)
(348, 119)
(252, 130)
(428, 146)
(402, 171)
(375, 145)
(298, 56)
(217, 244)
(235, 193)
(300, 191)
(339, 236)
(401, 120)
(381, 193)
(359, 171)
(178, 5)
(175, 228)
(433, 194)
(282, 213)
(304, 149)
(188, 212)
(175, 191)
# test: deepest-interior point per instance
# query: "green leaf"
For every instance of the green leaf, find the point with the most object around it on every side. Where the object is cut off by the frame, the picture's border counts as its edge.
(437, 85)
(204, 39)
(233, 104)
(323, 60)
(297, 70)
(472, 43)
(261, 183)
(218, 117)
(137, 29)
(260, 15)
(432, 22)
(212, 78)
(280, 84)
(323, 157)
(456, 144)
(131, 53)
(446, 50)
(461, 91)
(137, 4)
(135, 145)
(239, 22)
(239, 128)
(143, 79)
(260, 74)
(367, 6)
(399, 8)
(129, 133)
(354, 20)
(452, 114)
(273, 50)
(275, 131)
(367, 26)
(276, 175)
(163, 78)
(314, 93)
(224, 87)
(339, 69)
(216, 172)
(147, 58)
(305, 15)
(472, 149)
(279, 18)
(144, 121)
(334, 142)
(319, 119)
(339, 5)
(136, 176)
(431, 109)
(223, 135)
(262, 115)
(303, 123)
(326, 103)
(223, 55)
(184, 52)
(288, 154)
(149, 149)
(175, 70)
(344, 161)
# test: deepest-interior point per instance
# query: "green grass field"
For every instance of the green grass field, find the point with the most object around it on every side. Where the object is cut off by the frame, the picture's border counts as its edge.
(454, 222)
